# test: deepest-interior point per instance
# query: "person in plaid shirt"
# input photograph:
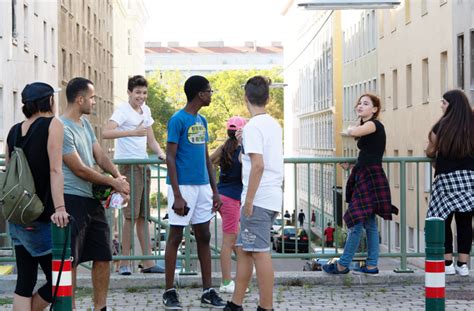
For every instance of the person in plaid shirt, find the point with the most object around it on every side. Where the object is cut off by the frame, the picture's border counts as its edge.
(367, 190)
(451, 144)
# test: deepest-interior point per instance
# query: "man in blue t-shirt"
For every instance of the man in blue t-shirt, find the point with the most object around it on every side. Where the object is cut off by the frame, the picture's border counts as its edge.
(192, 191)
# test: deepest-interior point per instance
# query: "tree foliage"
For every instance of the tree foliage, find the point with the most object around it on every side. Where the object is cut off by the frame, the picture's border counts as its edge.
(166, 95)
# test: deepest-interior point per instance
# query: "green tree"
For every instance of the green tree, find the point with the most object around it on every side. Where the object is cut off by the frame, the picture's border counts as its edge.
(161, 107)
(166, 95)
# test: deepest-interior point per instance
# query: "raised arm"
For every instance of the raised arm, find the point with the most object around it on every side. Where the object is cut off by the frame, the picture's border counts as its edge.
(361, 130)
(111, 131)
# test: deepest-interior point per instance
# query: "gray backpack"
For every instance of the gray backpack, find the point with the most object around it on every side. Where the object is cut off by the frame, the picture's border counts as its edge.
(18, 200)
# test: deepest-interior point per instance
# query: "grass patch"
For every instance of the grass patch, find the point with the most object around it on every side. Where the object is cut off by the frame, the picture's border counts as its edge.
(132, 290)
(6, 301)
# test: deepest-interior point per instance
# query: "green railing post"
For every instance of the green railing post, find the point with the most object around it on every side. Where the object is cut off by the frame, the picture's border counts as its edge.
(61, 238)
(403, 221)
(187, 254)
(434, 264)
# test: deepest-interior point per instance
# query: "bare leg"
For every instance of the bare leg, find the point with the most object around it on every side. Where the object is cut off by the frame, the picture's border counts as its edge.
(174, 239)
(243, 276)
(203, 238)
(126, 238)
(265, 277)
(228, 245)
(21, 303)
(38, 303)
(74, 280)
(143, 234)
(100, 283)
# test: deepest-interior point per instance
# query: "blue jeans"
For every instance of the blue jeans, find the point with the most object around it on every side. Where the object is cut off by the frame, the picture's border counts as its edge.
(353, 240)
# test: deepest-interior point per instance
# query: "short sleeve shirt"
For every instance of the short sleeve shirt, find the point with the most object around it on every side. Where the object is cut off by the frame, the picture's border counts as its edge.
(127, 119)
(78, 138)
(189, 132)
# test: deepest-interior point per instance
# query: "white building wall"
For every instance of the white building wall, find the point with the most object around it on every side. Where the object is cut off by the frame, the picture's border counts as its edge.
(28, 53)
(130, 17)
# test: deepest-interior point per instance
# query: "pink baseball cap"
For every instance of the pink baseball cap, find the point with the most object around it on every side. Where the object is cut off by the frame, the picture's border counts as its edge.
(236, 123)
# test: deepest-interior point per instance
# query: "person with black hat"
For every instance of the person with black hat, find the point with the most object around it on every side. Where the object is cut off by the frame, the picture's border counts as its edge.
(41, 137)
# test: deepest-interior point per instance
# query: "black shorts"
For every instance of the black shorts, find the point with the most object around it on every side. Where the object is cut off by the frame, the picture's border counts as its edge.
(90, 233)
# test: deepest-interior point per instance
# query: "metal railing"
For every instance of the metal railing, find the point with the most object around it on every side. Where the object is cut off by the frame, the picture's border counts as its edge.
(311, 183)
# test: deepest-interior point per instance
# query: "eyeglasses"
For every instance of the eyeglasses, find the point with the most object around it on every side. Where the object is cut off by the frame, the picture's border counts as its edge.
(209, 91)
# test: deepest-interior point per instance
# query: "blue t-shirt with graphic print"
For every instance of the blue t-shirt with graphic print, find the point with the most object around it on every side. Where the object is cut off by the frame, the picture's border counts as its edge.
(190, 133)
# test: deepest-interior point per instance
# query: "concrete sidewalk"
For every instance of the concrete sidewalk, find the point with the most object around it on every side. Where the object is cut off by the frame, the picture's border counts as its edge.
(293, 291)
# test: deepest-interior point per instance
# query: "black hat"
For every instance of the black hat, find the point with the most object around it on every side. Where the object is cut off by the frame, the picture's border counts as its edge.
(35, 91)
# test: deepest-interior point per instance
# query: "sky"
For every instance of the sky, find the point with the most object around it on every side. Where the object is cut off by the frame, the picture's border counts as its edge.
(232, 21)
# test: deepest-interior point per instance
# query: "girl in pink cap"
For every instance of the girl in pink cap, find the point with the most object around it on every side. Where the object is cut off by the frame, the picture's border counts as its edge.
(228, 158)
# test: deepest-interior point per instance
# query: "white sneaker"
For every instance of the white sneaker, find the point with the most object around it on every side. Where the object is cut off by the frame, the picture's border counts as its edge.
(462, 270)
(229, 288)
(449, 270)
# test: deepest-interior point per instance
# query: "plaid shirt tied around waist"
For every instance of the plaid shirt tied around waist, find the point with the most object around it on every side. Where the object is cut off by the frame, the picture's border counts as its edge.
(367, 192)
(452, 192)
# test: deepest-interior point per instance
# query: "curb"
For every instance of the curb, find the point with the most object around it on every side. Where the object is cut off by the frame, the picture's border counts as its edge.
(296, 278)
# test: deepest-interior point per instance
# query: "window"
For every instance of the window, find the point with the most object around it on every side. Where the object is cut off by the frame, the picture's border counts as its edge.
(410, 172)
(64, 64)
(129, 41)
(409, 86)
(411, 238)
(14, 26)
(396, 171)
(53, 47)
(425, 81)
(460, 62)
(428, 177)
(16, 107)
(45, 42)
(36, 65)
(444, 72)
(424, 7)
(26, 28)
(381, 21)
(70, 70)
(395, 89)
(382, 90)
(407, 11)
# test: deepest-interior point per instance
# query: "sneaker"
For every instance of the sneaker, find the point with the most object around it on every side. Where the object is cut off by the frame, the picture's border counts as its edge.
(462, 270)
(331, 268)
(449, 270)
(210, 299)
(365, 270)
(229, 288)
(171, 300)
(229, 307)
(125, 270)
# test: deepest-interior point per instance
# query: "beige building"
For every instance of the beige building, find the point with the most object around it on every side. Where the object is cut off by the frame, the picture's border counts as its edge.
(130, 17)
(85, 48)
(416, 57)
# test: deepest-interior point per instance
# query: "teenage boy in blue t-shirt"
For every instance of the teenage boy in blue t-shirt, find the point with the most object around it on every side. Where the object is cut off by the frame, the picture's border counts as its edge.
(192, 191)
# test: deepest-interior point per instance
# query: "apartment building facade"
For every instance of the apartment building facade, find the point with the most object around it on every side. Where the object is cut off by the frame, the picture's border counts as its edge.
(313, 110)
(85, 48)
(28, 40)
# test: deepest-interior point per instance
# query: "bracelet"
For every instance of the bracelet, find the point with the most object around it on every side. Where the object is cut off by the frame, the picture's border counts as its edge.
(59, 207)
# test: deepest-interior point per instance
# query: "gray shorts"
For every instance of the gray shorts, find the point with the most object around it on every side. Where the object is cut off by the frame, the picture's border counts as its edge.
(254, 235)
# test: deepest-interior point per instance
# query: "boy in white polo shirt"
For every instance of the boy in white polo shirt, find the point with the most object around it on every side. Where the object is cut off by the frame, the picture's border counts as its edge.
(131, 125)
(262, 195)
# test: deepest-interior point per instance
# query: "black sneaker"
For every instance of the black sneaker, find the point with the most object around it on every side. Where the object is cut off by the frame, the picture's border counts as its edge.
(232, 307)
(171, 300)
(210, 299)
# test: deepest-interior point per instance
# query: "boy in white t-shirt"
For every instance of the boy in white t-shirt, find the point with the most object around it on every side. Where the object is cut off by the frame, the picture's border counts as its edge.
(262, 171)
(131, 125)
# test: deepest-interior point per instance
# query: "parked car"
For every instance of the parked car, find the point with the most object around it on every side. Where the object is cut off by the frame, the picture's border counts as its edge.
(290, 238)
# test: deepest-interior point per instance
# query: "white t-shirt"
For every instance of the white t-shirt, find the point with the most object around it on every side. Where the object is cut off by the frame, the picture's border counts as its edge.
(132, 147)
(263, 135)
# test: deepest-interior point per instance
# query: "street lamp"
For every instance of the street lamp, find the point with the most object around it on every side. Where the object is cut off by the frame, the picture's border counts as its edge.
(347, 4)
